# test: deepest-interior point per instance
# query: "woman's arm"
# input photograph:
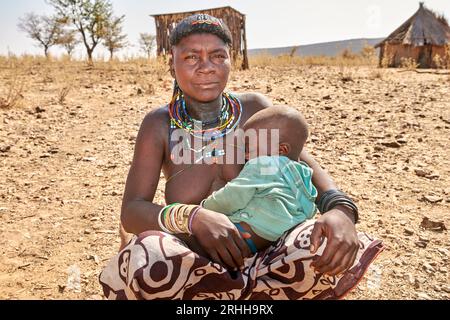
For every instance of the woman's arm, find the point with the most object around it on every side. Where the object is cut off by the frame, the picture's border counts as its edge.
(139, 213)
(323, 182)
(337, 225)
(215, 233)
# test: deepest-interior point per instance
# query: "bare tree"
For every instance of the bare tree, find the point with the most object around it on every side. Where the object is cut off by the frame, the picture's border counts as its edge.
(45, 30)
(147, 43)
(89, 17)
(114, 38)
(69, 40)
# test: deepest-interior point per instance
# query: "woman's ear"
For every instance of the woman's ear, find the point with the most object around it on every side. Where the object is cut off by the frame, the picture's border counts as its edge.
(171, 65)
(285, 149)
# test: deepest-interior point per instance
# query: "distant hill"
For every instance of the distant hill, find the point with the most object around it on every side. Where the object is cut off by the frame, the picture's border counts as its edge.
(318, 49)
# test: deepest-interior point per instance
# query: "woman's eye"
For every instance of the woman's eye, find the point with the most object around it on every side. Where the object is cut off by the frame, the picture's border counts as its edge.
(191, 58)
(219, 56)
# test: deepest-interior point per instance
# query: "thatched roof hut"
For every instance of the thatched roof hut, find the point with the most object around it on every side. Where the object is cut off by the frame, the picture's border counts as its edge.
(235, 21)
(421, 38)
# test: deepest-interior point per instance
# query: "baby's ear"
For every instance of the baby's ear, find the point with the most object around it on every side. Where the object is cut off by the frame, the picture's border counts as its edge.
(285, 149)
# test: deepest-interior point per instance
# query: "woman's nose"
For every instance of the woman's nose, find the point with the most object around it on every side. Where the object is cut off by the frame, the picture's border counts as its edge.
(206, 66)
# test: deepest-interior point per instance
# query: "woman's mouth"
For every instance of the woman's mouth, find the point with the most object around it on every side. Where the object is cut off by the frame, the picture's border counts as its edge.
(206, 85)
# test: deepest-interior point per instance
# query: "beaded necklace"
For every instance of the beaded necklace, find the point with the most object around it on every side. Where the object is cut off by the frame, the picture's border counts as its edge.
(227, 121)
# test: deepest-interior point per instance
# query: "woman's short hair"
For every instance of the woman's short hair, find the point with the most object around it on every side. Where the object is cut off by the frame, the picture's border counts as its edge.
(200, 23)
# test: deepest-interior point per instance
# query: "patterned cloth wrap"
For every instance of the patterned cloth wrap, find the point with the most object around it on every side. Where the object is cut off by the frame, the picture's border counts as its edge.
(155, 265)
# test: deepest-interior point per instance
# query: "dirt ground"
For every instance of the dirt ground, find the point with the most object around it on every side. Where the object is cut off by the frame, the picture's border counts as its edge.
(382, 134)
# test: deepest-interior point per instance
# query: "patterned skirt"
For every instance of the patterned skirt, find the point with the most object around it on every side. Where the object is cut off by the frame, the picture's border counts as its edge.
(155, 265)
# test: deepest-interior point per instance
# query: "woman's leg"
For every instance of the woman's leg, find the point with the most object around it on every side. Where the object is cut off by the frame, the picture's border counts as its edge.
(285, 271)
(156, 265)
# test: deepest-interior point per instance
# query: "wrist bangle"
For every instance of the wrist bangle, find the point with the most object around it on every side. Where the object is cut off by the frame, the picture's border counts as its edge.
(191, 218)
(333, 198)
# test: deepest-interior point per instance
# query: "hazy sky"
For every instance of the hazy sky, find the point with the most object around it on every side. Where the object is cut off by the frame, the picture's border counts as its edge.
(274, 23)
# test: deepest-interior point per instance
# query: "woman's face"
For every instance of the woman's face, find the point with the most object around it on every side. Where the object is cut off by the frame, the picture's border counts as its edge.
(201, 65)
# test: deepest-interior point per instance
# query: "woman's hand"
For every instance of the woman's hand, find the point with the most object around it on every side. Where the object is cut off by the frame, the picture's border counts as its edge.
(342, 242)
(220, 238)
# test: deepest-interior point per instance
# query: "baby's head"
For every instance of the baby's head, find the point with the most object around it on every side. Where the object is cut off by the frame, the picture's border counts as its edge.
(283, 121)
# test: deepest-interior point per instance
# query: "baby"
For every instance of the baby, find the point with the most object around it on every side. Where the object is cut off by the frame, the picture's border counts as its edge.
(274, 192)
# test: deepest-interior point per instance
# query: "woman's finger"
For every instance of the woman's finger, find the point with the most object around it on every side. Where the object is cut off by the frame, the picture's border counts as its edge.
(236, 254)
(346, 264)
(316, 236)
(226, 257)
(337, 263)
(241, 244)
(215, 257)
(326, 257)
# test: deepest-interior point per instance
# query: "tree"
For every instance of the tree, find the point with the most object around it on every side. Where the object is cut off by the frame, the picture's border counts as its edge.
(147, 43)
(69, 40)
(45, 30)
(114, 38)
(89, 17)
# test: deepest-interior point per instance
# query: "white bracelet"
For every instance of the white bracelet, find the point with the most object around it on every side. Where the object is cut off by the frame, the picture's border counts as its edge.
(161, 225)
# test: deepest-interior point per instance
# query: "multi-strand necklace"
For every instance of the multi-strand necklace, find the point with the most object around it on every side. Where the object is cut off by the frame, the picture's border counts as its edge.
(227, 121)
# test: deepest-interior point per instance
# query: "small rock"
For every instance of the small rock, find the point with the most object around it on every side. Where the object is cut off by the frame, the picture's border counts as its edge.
(432, 199)
(427, 267)
(327, 97)
(87, 231)
(436, 288)
(39, 110)
(423, 296)
(446, 288)
(421, 244)
(5, 149)
(115, 193)
(424, 239)
(421, 172)
(408, 232)
(45, 155)
(391, 144)
(89, 159)
(432, 225)
(139, 91)
(94, 257)
(443, 251)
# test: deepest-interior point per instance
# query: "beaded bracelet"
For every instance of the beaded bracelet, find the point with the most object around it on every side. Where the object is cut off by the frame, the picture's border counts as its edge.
(333, 198)
(177, 218)
(192, 216)
(162, 214)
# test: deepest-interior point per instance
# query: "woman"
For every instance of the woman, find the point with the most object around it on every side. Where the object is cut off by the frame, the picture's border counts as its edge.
(157, 265)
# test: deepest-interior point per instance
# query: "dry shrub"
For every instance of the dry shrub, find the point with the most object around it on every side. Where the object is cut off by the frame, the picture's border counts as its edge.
(345, 74)
(376, 74)
(409, 63)
(367, 57)
(63, 92)
(446, 62)
(13, 93)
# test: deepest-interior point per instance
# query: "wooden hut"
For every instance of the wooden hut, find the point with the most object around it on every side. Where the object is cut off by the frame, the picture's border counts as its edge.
(421, 38)
(235, 21)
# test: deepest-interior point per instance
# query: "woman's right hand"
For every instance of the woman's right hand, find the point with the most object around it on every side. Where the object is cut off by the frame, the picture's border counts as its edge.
(220, 238)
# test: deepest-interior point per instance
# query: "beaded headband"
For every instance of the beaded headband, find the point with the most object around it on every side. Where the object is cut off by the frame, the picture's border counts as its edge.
(200, 23)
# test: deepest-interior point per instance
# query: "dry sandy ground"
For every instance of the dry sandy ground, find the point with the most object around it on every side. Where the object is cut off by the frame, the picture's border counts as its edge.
(382, 134)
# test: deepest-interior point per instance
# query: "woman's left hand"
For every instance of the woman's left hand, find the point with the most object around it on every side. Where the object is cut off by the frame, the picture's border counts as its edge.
(342, 242)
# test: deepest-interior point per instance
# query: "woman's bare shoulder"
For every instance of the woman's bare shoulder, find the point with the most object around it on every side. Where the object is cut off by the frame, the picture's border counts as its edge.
(254, 100)
(156, 122)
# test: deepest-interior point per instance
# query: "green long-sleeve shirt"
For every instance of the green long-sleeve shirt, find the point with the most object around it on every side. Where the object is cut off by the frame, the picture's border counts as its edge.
(271, 194)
